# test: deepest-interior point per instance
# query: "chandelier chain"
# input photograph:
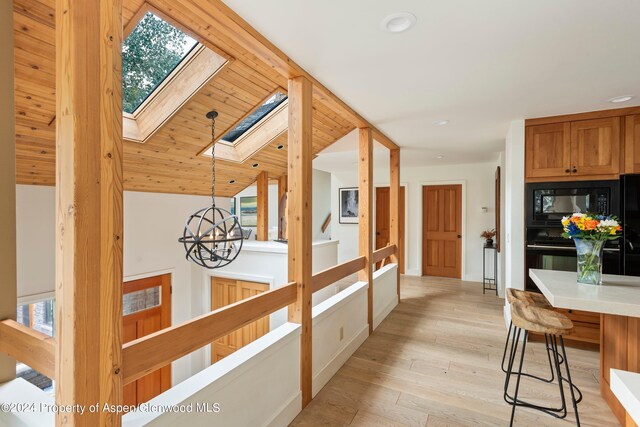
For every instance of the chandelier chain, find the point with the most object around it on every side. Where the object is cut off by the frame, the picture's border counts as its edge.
(213, 161)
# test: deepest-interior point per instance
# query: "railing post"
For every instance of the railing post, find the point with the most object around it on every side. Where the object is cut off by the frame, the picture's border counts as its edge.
(89, 210)
(394, 206)
(299, 221)
(282, 206)
(365, 210)
(8, 303)
(262, 199)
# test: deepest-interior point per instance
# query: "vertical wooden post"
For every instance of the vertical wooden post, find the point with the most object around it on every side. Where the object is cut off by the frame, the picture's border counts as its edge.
(89, 209)
(8, 303)
(394, 207)
(365, 212)
(299, 220)
(282, 206)
(262, 232)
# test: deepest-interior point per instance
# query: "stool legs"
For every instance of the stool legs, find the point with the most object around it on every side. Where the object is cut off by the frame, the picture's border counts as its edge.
(554, 348)
(515, 393)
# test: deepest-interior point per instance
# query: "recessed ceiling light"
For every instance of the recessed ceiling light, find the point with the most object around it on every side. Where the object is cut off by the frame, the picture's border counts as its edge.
(624, 98)
(232, 181)
(440, 156)
(441, 122)
(398, 22)
(255, 165)
(280, 147)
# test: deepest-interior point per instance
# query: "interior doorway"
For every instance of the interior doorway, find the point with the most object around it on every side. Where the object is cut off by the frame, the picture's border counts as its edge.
(442, 230)
(228, 291)
(382, 222)
(146, 309)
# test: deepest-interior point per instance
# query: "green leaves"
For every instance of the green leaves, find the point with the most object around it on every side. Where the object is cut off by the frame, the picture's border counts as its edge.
(152, 50)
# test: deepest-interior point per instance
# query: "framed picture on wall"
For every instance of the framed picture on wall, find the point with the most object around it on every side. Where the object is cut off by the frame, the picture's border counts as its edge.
(232, 205)
(348, 198)
(249, 211)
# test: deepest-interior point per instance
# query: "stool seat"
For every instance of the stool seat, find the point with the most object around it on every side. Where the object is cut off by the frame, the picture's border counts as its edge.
(536, 319)
(532, 298)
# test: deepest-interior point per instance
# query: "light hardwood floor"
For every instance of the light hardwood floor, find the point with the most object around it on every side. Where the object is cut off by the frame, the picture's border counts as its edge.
(435, 361)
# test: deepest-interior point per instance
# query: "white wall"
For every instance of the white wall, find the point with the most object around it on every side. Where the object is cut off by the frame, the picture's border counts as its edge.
(259, 385)
(478, 188)
(152, 224)
(321, 202)
(514, 206)
(385, 292)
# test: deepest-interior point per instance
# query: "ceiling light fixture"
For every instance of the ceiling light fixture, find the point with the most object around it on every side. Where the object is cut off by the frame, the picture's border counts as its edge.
(280, 147)
(255, 165)
(439, 157)
(441, 122)
(232, 181)
(212, 237)
(398, 22)
(623, 98)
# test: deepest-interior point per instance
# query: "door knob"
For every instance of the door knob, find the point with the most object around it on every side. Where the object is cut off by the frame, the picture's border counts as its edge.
(567, 170)
(459, 236)
(574, 170)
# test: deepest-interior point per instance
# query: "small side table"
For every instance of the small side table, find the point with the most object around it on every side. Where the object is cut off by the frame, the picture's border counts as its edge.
(490, 283)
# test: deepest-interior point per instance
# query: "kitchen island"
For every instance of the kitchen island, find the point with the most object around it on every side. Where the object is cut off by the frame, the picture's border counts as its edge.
(618, 302)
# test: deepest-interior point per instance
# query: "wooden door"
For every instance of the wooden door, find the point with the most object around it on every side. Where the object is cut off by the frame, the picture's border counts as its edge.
(595, 147)
(146, 309)
(229, 291)
(548, 150)
(383, 212)
(632, 144)
(442, 230)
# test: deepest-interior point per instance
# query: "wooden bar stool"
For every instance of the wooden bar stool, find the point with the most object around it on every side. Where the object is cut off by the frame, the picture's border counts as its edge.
(534, 299)
(529, 318)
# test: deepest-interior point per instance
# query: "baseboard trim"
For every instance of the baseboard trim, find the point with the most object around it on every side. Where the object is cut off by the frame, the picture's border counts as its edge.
(330, 369)
(378, 318)
(287, 413)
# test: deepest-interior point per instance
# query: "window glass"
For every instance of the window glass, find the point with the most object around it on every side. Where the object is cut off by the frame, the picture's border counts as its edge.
(268, 106)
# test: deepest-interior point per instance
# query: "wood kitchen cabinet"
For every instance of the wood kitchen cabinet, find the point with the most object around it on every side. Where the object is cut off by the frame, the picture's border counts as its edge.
(595, 147)
(548, 150)
(576, 150)
(632, 143)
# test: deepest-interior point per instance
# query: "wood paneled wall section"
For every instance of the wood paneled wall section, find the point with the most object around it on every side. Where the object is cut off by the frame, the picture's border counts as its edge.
(7, 185)
(169, 161)
(263, 206)
(365, 213)
(299, 217)
(89, 210)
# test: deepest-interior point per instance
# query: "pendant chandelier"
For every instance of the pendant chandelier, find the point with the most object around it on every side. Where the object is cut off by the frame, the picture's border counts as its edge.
(212, 236)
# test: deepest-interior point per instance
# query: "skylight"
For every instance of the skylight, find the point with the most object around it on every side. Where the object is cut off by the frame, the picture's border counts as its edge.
(268, 106)
(149, 54)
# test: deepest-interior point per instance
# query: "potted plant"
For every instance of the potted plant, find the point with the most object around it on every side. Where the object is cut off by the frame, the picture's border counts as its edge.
(488, 235)
(590, 232)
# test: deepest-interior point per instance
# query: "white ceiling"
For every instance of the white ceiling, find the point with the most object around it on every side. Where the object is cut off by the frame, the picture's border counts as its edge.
(479, 64)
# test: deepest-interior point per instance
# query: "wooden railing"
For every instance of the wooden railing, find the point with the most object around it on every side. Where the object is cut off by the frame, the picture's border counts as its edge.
(146, 354)
(29, 346)
(333, 274)
(151, 352)
(383, 253)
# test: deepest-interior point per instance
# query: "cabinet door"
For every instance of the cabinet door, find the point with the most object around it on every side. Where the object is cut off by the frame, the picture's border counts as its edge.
(632, 144)
(595, 147)
(548, 151)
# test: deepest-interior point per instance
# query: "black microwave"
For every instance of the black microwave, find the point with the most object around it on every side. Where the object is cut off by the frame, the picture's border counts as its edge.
(548, 202)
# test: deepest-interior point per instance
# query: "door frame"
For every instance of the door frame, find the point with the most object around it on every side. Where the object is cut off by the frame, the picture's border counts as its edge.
(406, 220)
(420, 219)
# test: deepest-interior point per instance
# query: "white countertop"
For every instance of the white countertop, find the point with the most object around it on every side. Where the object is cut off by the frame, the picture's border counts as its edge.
(277, 247)
(626, 386)
(617, 295)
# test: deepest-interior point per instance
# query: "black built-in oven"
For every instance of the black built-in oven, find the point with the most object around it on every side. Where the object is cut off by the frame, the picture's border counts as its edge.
(546, 204)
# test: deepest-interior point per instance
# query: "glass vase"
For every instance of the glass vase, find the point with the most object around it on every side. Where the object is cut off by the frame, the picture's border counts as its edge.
(589, 260)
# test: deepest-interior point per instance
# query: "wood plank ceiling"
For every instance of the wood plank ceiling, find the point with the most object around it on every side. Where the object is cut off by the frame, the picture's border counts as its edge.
(169, 162)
